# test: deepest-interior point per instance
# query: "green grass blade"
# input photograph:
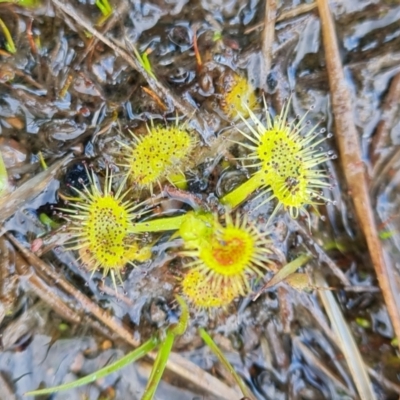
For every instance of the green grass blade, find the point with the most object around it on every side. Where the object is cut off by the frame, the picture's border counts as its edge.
(28, 3)
(10, 46)
(117, 365)
(211, 344)
(159, 366)
(23, 3)
(3, 176)
(144, 61)
(105, 7)
(165, 350)
(288, 269)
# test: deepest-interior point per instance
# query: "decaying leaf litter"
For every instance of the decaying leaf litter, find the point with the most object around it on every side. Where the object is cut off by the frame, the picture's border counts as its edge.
(71, 91)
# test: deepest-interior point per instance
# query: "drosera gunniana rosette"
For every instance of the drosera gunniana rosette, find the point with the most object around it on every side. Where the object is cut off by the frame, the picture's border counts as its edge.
(288, 159)
(230, 255)
(99, 222)
(223, 256)
(161, 154)
(237, 95)
(201, 291)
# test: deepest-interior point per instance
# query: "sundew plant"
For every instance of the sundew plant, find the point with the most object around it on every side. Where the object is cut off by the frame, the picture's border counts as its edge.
(237, 96)
(203, 292)
(99, 227)
(287, 160)
(230, 255)
(160, 155)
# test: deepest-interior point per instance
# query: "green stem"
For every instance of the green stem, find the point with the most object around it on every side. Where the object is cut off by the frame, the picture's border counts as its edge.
(10, 46)
(3, 177)
(211, 344)
(104, 7)
(181, 326)
(117, 365)
(158, 225)
(165, 350)
(242, 192)
(159, 366)
(23, 3)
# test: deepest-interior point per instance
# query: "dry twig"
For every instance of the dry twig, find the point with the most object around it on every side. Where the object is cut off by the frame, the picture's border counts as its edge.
(294, 12)
(389, 385)
(39, 287)
(267, 38)
(316, 313)
(52, 299)
(346, 341)
(349, 147)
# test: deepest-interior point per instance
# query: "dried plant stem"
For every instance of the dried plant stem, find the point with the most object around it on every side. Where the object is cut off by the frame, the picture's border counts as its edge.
(386, 383)
(346, 341)
(86, 303)
(267, 38)
(320, 318)
(350, 154)
(385, 167)
(49, 296)
(39, 287)
(115, 17)
(294, 12)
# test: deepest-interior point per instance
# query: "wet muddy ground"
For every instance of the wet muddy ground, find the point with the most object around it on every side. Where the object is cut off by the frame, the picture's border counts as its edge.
(67, 99)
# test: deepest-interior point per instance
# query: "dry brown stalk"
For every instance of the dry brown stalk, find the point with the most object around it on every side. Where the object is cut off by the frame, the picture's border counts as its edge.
(345, 340)
(294, 12)
(316, 313)
(39, 287)
(267, 38)
(350, 154)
